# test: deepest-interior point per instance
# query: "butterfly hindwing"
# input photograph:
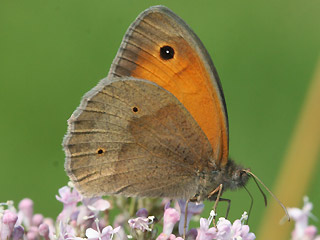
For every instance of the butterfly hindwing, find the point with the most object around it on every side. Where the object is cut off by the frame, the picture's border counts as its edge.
(134, 138)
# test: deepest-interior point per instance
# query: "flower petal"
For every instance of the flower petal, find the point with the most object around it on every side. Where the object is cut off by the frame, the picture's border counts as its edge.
(92, 234)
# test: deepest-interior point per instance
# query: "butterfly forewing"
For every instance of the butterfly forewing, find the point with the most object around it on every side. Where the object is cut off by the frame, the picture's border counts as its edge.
(187, 71)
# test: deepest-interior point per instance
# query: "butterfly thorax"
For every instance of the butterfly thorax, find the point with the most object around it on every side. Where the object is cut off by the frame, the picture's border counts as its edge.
(231, 176)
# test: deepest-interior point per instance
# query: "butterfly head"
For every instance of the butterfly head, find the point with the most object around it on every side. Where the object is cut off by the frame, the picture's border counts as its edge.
(231, 176)
(234, 176)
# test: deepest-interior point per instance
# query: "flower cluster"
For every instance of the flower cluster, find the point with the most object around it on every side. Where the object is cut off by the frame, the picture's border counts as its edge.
(225, 230)
(71, 222)
(89, 218)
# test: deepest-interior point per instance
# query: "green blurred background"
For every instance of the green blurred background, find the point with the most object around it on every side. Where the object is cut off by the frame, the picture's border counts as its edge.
(52, 52)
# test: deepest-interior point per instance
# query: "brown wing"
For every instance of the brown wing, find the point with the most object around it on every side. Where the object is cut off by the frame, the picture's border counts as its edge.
(187, 72)
(134, 138)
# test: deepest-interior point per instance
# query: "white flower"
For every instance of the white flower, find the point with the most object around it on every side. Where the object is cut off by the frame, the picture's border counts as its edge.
(105, 234)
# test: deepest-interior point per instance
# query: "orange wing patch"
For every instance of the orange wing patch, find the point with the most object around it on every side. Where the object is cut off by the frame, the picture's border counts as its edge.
(186, 78)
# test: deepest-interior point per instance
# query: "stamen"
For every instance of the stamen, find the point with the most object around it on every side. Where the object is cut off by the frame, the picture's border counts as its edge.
(211, 217)
(151, 218)
(88, 217)
(70, 184)
(244, 217)
(97, 224)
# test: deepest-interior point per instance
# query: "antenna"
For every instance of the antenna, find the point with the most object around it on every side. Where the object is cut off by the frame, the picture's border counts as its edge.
(251, 204)
(257, 179)
(263, 194)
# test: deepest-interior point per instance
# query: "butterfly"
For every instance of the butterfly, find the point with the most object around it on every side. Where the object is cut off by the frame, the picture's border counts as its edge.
(157, 125)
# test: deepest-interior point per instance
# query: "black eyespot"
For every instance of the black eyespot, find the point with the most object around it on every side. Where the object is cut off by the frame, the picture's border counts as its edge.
(135, 109)
(100, 151)
(166, 52)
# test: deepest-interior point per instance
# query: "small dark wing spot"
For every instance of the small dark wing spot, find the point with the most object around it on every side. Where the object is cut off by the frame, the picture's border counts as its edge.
(166, 52)
(135, 109)
(100, 151)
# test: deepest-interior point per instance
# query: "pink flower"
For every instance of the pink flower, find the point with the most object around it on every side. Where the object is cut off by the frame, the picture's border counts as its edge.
(237, 230)
(44, 231)
(240, 230)
(25, 212)
(163, 236)
(50, 223)
(7, 223)
(225, 230)
(121, 234)
(204, 232)
(96, 204)
(37, 219)
(90, 210)
(83, 217)
(69, 199)
(65, 231)
(141, 223)
(170, 218)
(301, 217)
(31, 235)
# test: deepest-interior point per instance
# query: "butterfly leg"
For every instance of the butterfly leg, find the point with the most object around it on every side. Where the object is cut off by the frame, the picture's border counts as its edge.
(185, 218)
(229, 205)
(194, 199)
(218, 190)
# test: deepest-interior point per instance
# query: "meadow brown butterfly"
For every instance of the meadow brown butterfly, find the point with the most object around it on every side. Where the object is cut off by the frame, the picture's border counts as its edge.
(157, 125)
